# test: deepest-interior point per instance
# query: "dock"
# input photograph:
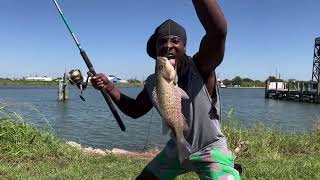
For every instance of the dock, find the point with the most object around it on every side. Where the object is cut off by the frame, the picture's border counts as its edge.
(300, 91)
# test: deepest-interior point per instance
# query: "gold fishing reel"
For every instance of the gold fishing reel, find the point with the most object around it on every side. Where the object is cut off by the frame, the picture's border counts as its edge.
(76, 78)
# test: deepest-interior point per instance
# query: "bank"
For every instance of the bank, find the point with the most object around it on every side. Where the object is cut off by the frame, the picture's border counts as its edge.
(56, 83)
(29, 153)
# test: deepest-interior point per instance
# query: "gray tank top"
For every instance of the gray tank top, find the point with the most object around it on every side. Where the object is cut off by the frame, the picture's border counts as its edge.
(203, 113)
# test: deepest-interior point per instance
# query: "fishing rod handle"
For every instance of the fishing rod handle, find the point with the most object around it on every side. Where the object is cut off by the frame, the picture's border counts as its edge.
(103, 91)
(87, 61)
(113, 110)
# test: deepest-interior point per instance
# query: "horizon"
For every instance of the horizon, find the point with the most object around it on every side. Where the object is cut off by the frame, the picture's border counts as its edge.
(111, 75)
(264, 38)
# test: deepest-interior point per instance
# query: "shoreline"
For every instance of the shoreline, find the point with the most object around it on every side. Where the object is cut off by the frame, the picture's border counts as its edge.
(149, 153)
(120, 85)
(244, 88)
(53, 84)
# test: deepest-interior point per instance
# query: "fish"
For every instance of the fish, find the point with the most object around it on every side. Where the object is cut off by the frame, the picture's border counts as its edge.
(167, 99)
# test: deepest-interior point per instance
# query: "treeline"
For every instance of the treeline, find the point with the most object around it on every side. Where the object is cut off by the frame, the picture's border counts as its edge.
(243, 82)
(9, 82)
(236, 81)
(27, 83)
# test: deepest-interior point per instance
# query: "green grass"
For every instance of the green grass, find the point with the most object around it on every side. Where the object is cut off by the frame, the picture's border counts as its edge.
(29, 153)
(274, 153)
(28, 83)
(20, 139)
(271, 154)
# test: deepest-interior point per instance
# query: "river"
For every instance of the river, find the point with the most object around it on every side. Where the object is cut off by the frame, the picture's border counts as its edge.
(91, 123)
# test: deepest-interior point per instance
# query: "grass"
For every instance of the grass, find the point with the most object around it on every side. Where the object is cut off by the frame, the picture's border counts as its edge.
(272, 154)
(275, 154)
(28, 83)
(29, 153)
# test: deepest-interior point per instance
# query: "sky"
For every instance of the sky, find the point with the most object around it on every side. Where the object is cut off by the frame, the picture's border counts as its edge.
(265, 37)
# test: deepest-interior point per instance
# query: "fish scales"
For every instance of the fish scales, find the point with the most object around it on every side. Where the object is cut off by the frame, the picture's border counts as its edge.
(167, 97)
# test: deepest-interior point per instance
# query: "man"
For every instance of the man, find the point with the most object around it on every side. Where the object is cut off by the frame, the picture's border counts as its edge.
(211, 158)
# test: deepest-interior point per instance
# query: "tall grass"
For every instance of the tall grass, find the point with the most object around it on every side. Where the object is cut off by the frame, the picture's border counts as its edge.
(29, 153)
(20, 139)
(269, 153)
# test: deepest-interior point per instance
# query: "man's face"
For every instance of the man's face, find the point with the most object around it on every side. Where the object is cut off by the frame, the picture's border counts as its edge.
(172, 47)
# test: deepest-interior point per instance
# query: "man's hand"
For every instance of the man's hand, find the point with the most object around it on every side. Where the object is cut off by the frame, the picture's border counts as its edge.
(134, 108)
(100, 81)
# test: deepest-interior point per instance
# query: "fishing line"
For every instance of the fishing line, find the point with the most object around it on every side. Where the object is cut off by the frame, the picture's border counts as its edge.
(145, 146)
(91, 70)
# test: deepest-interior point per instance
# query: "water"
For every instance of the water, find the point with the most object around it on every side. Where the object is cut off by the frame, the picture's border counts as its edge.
(91, 123)
(251, 108)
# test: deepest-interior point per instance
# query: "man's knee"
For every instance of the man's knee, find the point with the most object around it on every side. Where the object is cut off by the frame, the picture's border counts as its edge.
(144, 175)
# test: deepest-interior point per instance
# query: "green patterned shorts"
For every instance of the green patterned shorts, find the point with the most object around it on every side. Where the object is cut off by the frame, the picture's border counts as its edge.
(208, 164)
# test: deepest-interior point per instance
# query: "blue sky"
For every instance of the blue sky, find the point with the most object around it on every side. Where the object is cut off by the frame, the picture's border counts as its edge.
(263, 36)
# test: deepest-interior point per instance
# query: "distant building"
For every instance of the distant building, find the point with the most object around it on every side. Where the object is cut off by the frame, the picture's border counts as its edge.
(111, 78)
(122, 81)
(221, 84)
(45, 78)
(115, 79)
(276, 86)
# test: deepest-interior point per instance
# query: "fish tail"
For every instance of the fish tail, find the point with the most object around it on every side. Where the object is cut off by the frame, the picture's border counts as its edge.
(184, 149)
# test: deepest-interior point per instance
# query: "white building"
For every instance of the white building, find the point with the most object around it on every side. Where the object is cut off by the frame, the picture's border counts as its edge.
(45, 78)
(276, 86)
(221, 83)
(115, 79)
(111, 78)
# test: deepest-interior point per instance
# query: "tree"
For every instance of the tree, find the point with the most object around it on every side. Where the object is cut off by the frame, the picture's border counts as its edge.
(247, 80)
(237, 80)
(133, 81)
(227, 82)
(274, 79)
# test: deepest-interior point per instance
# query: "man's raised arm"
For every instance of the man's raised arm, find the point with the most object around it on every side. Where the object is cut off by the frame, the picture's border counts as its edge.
(212, 46)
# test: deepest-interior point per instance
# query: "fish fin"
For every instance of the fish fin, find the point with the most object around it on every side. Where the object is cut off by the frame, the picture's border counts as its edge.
(182, 93)
(184, 149)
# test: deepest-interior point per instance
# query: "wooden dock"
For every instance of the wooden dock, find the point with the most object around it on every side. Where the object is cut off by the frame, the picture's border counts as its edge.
(302, 91)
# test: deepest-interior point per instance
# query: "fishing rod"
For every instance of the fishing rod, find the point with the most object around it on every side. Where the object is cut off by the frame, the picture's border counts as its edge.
(91, 69)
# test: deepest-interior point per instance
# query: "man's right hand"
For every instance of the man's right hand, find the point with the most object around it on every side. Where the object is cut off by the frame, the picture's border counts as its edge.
(134, 108)
(100, 81)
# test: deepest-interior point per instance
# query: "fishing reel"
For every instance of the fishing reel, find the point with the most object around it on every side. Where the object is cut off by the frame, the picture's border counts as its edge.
(76, 78)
